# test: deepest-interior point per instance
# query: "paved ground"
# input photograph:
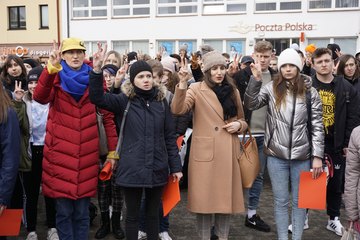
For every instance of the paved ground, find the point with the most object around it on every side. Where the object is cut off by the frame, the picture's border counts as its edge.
(183, 223)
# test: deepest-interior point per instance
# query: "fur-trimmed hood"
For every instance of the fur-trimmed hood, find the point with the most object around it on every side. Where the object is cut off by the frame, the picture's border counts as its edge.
(128, 89)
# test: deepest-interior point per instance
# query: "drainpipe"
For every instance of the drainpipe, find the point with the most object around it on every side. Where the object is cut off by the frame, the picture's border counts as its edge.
(58, 21)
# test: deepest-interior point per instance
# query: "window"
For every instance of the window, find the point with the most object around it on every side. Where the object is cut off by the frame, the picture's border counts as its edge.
(125, 8)
(166, 47)
(279, 5)
(44, 16)
(17, 18)
(316, 4)
(223, 6)
(235, 48)
(89, 8)
(189, 45)
(176, 7)
(91, 47)
(346, 3)
(265, 6)
(216, 44)
(123, 47)
(140, 46)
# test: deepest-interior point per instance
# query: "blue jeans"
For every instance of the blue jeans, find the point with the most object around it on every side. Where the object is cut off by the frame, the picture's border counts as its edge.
(72, 218)
(280, 172)
(255, 190)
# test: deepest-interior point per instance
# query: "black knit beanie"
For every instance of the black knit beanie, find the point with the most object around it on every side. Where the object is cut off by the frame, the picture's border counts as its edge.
(137, 67)
(32, 62)
(34, 74)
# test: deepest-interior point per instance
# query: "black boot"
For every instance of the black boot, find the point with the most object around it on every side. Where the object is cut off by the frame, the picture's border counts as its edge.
(105, 226)
(116, 227)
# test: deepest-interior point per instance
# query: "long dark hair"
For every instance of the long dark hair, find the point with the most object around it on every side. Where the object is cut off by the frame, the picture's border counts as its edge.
(5, 104)
(207, 79)
(5, 77)
(280, 86)
(341, 67)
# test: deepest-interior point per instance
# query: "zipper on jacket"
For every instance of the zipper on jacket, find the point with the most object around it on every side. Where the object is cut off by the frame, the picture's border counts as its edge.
(292, 125)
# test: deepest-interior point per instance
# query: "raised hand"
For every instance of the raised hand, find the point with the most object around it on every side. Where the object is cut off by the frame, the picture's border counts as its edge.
(194, 61)
(55, 55)
(256, 70)
(18, 92)
(234, 66)
(120, 75)
(99, 56)
(184, 75)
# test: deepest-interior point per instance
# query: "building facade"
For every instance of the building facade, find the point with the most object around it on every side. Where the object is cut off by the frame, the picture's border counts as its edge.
(28, 28)
(231, 26)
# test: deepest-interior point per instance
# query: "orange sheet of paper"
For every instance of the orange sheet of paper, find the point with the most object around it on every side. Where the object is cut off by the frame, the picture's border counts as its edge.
(106, 172)
(312, 192)
(171, 195)
(10, 221)
(179, 141)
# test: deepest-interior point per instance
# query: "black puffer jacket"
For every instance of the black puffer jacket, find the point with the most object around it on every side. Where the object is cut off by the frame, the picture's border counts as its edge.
(149, 147)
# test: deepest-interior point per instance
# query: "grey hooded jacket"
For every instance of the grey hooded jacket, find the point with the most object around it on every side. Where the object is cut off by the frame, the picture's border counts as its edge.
(286, 130)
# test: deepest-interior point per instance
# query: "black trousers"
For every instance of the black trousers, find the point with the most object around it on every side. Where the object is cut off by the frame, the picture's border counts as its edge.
(334, 186)
(152, 204)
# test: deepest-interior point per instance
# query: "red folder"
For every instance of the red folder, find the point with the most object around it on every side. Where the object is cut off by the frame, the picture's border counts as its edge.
(106, 172)
(312, 192)
(10, 221)
(171, 195)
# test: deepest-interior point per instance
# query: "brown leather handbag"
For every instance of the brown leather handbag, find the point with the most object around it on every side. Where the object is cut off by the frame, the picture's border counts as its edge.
(249, 160)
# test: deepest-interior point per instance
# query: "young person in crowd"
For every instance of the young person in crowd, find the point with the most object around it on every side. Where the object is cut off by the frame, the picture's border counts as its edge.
(287, 143)
(9, 151)
(71, 155)
(30, 63)
(113, 57)
(108, 193)
(149, 146)
(263, 52)
(214, 171)
(37, 115)
(274, 63)
(340, 117)
(350, 70)
(352, 178)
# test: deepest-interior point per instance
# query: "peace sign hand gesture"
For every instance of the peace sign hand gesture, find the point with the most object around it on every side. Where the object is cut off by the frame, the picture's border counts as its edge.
(234, 66)
(99, 56)
(184, 75)
(55, 55)
(120, 75)
(256, 70)
(18, 92)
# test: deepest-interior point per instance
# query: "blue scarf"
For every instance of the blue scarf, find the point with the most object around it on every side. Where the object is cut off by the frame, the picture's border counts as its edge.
(74, 82)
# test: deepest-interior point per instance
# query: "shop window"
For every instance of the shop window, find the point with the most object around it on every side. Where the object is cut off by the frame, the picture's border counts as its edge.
(124, 47)
(91, 47)
(44, 16)
(17, 18)
(126, 8)
(216, 44)
(89, 8)
(235, 48)
(176, 7)
(165, 47)
(223, 6)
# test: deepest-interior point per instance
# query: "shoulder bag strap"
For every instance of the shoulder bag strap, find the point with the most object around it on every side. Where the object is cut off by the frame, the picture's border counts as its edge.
(121, 135)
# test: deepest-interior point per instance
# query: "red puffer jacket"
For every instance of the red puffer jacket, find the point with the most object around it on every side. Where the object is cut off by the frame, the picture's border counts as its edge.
(70, 164)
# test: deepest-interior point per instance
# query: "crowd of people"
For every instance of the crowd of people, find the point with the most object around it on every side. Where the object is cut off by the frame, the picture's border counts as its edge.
(303, 108)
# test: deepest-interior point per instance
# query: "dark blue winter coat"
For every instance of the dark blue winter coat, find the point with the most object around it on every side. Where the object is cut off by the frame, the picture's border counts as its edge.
(149, 151)
(9, 156)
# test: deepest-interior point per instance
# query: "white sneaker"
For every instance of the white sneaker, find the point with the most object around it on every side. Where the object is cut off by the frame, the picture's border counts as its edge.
(335, 226)
(52, 234)
(32, 236)
(142, 235)
(164, 236)
(306, 224)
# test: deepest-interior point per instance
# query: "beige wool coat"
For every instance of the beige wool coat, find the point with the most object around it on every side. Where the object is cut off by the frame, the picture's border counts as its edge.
(214, 184)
